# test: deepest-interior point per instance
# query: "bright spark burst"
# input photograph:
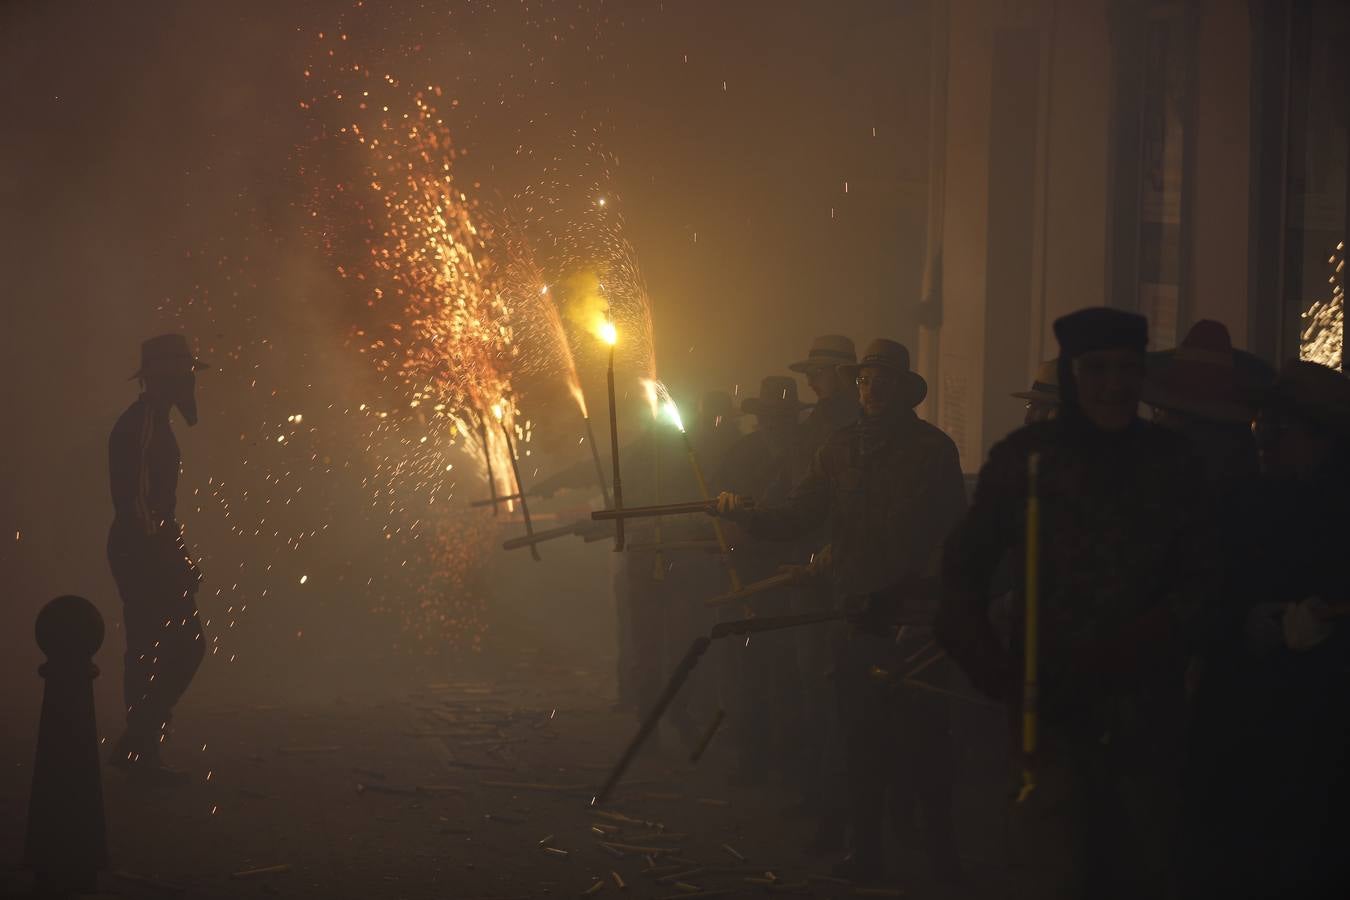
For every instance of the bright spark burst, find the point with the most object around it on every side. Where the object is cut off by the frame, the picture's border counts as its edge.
(673, 413)
(1322, 338)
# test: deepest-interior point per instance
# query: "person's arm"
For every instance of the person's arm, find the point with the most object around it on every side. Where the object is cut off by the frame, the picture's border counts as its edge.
(970, 556)
(804, 512)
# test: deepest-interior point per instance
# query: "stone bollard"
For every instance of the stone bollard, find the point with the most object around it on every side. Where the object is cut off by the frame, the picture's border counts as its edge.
(66, 844)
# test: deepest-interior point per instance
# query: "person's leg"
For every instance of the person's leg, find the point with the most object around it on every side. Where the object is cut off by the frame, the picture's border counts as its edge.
(181, 648)
(140, 625)
(862, 720)
(925, 776)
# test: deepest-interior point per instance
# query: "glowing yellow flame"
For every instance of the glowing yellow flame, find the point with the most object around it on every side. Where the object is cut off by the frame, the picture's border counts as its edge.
(608, 333)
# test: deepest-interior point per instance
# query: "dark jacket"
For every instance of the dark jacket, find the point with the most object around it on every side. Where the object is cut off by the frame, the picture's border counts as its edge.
(828, 416)
(145, 541)
(143, 464)
(1128, 554)
(886, 507)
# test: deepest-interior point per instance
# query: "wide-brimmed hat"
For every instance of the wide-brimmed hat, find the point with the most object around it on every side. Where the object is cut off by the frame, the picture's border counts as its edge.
(827, 350)
(777, 396)
(168, 354)
(1315, 393)
(887, 354)
(1200, 379)
(1045, 388)
(717, 405)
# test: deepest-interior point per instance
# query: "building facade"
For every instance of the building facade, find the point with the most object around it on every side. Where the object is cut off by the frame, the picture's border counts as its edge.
(1184, 159)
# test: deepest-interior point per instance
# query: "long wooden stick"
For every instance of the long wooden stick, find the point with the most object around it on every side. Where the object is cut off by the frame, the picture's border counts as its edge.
(755, 625)
(595, 457)
(677, 679)
(614, 453)
(659, 558)
(755, 587)
(520, 490)
(647, 512)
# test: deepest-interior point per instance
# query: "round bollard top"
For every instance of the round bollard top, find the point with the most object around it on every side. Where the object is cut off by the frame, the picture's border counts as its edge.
(68, 627)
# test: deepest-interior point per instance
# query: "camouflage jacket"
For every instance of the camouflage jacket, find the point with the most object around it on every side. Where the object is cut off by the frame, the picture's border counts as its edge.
(885, 512)
(1128, 556)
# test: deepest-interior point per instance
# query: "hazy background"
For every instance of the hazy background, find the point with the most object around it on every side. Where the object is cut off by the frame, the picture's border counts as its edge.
(149, 158)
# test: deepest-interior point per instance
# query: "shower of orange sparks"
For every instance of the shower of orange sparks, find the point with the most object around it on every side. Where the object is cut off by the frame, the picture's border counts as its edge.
(438, 325)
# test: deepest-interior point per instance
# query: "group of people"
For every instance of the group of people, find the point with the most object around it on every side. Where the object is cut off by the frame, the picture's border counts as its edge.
(1192, 665)
(1192, 673)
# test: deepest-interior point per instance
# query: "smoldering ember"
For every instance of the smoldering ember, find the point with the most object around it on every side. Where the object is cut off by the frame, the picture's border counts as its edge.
(501, 449)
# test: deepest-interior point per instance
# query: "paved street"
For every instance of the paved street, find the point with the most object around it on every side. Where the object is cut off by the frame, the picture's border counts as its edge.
(475, 786)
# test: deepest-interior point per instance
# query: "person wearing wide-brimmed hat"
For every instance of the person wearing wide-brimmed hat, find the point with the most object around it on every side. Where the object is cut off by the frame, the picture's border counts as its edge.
(836, 393)
(1128, 554)
(756, 678)
(155, 575)
(1276, 681)
(1198, 394)
(887, 489)
(818, 742)
(1043, 396)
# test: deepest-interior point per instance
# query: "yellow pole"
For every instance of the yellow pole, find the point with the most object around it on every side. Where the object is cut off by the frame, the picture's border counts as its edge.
(717, 523)
(1030, 645)
(659, 561)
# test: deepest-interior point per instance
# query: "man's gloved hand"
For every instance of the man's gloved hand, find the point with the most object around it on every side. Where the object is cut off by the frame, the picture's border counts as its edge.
(815, 570)
(736, 507)
(1305, 624)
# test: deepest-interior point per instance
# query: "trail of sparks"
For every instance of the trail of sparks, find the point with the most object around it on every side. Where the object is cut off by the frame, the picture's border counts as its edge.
(439, 327)
(541, 323)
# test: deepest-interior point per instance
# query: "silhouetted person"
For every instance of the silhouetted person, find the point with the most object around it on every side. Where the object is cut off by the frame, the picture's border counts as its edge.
(836, 393)
(66, 843)
(888, 489)
(1128, 554)
(819, 743)
(1270, 753)
(155, 575)
(760, 688)
(1198, 394)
